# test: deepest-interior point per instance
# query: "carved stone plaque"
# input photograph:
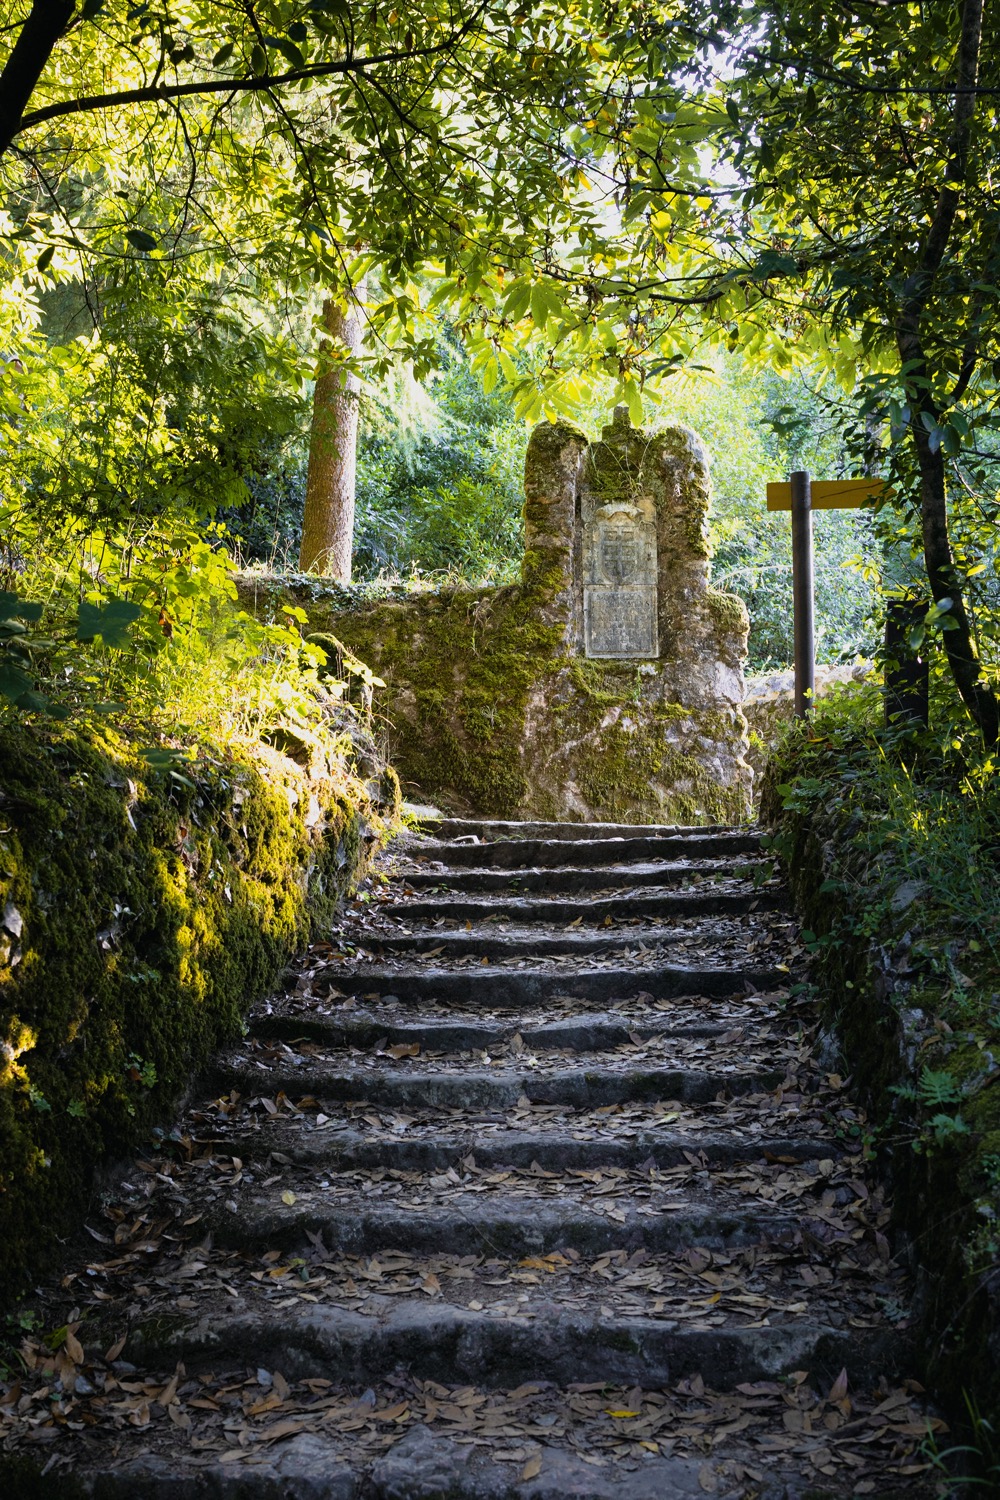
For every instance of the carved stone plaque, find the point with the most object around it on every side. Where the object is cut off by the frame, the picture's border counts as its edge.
(619, 594)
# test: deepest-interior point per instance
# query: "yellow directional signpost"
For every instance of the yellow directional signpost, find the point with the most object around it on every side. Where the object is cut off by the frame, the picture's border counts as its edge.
(802, 496)
(828, 494)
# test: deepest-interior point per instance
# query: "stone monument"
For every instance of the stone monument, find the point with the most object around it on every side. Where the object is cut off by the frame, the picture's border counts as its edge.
(617, 548)
(606, 687)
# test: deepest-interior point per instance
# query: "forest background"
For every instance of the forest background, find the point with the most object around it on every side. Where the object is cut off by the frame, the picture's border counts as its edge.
(546, 210)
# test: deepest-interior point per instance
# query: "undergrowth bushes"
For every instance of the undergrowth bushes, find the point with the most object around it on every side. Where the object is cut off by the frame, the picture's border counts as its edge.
(892, 842)
(182, 795)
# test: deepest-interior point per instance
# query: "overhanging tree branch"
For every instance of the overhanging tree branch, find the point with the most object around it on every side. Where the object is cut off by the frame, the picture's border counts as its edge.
(48, 20)
(46, 23)
(252, 84)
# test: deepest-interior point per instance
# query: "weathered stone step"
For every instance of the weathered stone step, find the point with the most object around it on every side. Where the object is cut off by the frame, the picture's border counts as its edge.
(494, 986)
(453, 1343)
(747, 1118)
(514, 853)
(459, 1469)
(589, 1033)
(493, 1224)
(688, 905)
(675, 1012)
(496, 828)
(487, 942)
(410, 1084)
(345, 1149)
(586, 877)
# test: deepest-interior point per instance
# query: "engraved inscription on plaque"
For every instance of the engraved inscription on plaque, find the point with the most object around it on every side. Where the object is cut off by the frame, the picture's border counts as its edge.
(619, 593)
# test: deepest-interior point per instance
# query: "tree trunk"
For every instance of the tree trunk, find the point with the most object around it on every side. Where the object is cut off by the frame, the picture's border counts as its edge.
(328, 517)
(966, 668)
(943, 577)
(45, 23)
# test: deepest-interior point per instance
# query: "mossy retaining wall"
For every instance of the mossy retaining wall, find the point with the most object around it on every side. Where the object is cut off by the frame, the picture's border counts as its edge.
(140, 913)
(486, 711)
(887, 1013)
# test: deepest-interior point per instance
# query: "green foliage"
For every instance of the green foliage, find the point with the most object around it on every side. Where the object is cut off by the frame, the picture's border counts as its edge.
(202, 281)
(110, 621)
(17, 655)
(889, 839)
(133, 579)
(590, 201)
(971, 1465)
(440, 478)
(934, 1091)
(924, 815)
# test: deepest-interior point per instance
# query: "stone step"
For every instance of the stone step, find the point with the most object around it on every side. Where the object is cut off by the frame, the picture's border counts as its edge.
(585, 1034)
(664, 876)
(676, 1013)
(688, 905)
(513, 854)
(452, 1343)
(321, 1464)
(747, 1119)
(739, 1051)
(496, 828)
(342, 1148)
(411, 1084)
(514, 988)
(488, 942)
(585, 1174)
(494, 1225)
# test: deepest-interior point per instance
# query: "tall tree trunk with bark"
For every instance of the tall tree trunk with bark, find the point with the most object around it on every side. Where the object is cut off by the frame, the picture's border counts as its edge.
(942, 574)
(328, 517)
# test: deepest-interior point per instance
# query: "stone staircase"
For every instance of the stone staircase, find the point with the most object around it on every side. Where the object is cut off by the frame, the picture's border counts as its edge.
(533, 1183)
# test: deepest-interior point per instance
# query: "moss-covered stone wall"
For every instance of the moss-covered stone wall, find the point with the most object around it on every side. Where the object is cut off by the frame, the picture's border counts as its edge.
(492, 704)
(903, 1033)
(485, 710)
(140, 912)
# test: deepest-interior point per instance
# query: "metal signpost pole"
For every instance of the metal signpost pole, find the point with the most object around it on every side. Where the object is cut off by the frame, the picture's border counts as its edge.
(802, 592)
(801, 497)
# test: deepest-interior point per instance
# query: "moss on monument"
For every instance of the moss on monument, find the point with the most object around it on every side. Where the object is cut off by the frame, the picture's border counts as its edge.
(468, 672)
(624, 765)
(729, 613)
(543, 570)
(459, 666)
(634, 745)
(693, 493)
